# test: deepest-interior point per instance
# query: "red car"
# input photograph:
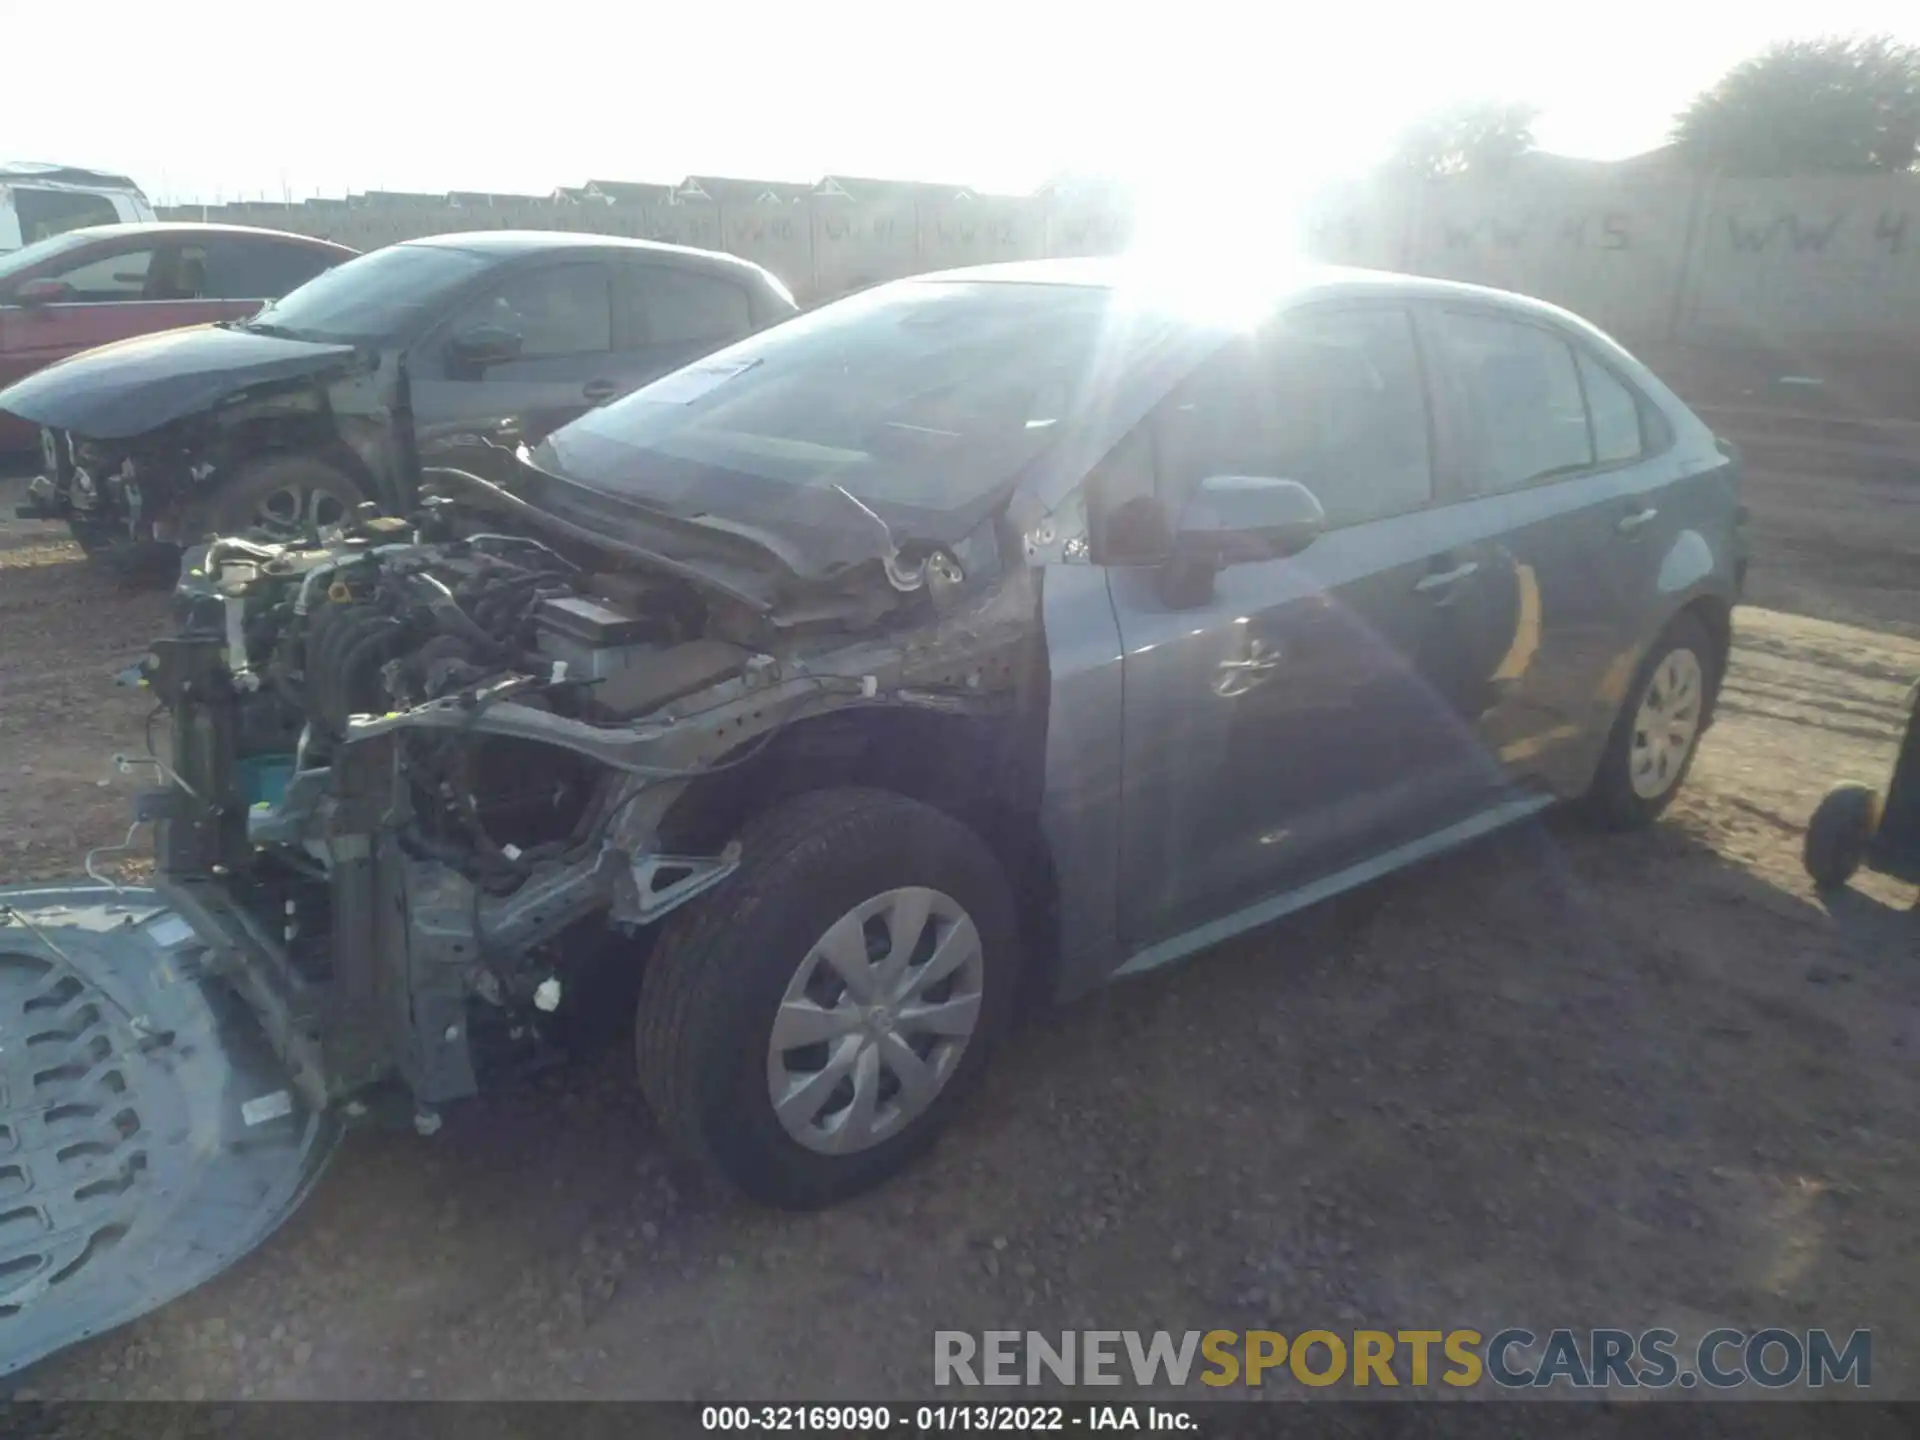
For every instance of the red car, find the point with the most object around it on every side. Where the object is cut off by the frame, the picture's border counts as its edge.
(73, 291)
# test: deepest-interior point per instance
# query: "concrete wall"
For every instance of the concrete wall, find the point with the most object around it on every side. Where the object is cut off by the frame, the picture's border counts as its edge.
(1613, 253)
(1814, 258)
(855, 246)
(1825, 263)
(820, 249)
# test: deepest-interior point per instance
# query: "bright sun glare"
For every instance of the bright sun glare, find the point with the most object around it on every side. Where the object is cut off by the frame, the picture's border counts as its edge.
(1218, 262)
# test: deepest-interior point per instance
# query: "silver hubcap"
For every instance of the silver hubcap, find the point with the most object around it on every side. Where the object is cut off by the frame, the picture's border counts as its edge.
(1667, 724)
(299, 508)
(875, 1020)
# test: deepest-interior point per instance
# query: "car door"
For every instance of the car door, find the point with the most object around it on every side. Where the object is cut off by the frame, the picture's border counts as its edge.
(103, 297)
(1555, 467)
(563, 364)
(672, 315)
(1300, 717)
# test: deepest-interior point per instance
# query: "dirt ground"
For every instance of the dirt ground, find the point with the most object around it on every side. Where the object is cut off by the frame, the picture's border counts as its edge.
(1557, 1079)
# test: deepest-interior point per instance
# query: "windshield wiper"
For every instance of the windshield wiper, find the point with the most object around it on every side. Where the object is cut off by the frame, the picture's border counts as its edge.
(262, 327)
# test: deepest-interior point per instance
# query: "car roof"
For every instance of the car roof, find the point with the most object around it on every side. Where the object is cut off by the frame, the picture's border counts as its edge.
(187, 228)
(1267, 286)
(504, 243)
(35, 172)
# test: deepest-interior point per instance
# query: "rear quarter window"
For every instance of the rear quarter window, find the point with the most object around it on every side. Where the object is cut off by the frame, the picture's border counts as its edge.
(1617, 430)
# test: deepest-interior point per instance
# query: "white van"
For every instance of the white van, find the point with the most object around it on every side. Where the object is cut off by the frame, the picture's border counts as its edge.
(40, 200)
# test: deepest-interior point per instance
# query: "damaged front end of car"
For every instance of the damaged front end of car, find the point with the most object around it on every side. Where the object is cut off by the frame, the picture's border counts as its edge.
(428, 775)
(138, 440)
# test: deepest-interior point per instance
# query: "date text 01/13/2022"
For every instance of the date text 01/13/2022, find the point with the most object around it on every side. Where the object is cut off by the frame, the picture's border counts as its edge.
(936, 1419)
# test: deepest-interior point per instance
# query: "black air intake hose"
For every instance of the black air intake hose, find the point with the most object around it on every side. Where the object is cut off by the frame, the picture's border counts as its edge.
(455, 621)
(346, 646)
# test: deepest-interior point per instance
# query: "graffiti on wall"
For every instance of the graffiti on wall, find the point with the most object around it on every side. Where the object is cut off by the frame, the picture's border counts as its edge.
(1576, 230)
(1002, 232)
(1796, 232)
(852, 227)
(756, 227)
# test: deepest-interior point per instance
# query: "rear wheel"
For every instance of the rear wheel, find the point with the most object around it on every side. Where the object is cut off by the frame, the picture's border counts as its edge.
(1659, 727)
(284, 496)
(810, 1026)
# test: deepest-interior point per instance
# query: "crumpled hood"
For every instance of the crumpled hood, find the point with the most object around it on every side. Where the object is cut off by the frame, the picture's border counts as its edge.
(817, 530)
(137, 385)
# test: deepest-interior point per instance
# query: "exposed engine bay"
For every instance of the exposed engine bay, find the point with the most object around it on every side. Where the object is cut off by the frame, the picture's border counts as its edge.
(426, 773)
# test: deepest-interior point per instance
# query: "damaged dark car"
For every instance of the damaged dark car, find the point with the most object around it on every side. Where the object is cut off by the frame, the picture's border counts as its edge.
(975, 639)
(335, 394)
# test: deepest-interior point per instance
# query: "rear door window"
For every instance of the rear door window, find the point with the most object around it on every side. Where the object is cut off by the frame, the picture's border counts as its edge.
(1518, 400)
(666, 306)
(52, 212)
(241, 268)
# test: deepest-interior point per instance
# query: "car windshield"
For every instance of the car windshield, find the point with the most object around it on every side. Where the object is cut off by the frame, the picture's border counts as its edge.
(28, 256)
(924, 395)
(370, 297)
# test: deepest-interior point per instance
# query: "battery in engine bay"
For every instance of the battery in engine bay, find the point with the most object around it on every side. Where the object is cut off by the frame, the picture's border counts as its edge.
(594, 640)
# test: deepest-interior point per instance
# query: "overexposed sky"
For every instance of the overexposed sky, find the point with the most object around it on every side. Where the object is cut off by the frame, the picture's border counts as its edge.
(213, 99)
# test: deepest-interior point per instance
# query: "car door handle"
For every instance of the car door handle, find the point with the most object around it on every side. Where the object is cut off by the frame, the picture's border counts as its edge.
(1255, 663)
(597, 390)
(1630, 523)
(1260, 664)
(1444, 580)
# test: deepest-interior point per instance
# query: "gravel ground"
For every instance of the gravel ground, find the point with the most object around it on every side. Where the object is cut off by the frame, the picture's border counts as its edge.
(1556, 1079)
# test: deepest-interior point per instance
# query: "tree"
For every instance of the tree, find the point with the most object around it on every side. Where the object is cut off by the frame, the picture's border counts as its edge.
(1805, 107)
(1480, 139)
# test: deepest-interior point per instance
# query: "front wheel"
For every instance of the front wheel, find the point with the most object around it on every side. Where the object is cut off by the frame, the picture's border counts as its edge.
(810, 1026)
(285, 496)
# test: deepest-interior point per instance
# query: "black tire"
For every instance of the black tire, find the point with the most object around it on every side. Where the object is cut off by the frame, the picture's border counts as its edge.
(721, 965)
(1612, 800)
(240, 504)
(1840, 833)
(147, 564)
(95, 538)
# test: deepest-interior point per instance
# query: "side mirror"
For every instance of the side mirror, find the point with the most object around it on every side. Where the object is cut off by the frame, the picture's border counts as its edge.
(482, 346)
(1233, 519)
(43, 291)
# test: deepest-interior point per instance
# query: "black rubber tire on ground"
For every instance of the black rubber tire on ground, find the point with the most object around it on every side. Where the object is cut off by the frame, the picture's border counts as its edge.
(721, 965)
(234, 506)
(137, 563)
(1612, 800)
(1840, 833)
(94, 537)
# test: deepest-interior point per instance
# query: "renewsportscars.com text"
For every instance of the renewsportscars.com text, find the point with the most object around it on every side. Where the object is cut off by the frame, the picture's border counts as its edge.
(1511, 1358)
